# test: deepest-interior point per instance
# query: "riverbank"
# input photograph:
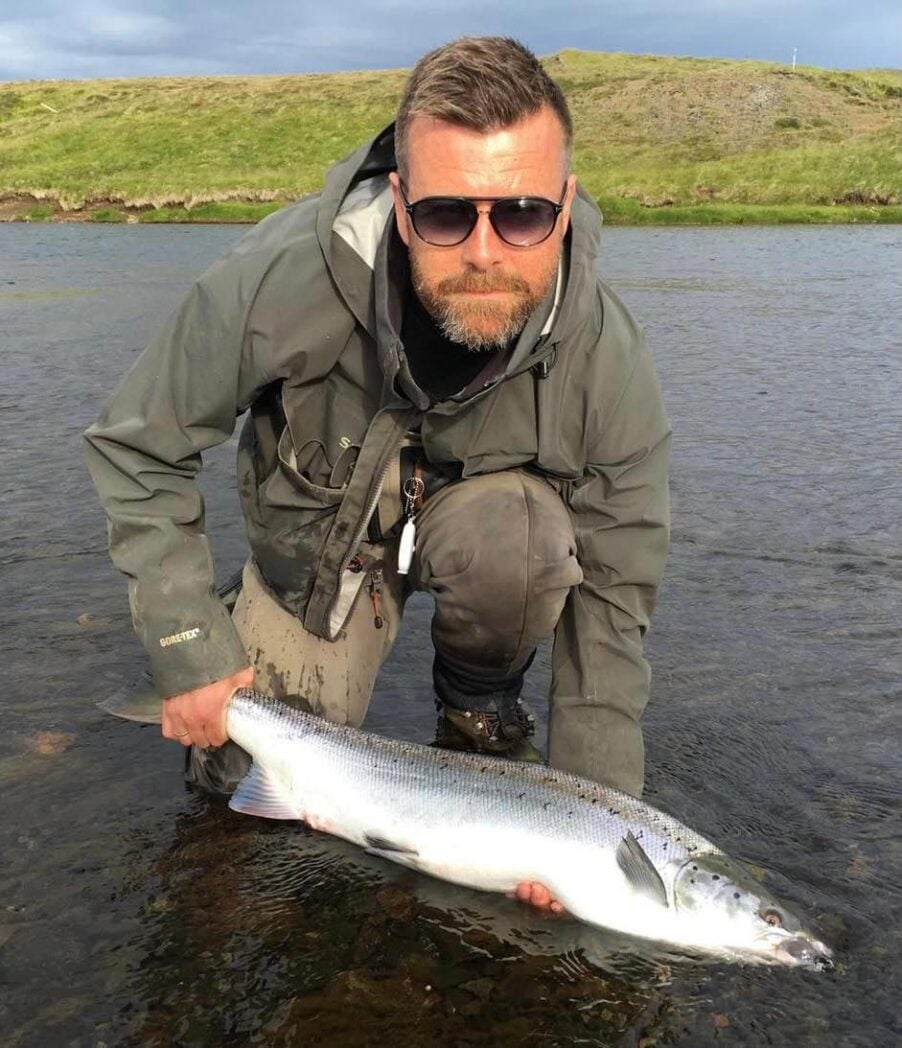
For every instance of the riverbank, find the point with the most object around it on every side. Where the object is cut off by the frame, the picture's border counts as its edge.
(617, 212)
(657, 140)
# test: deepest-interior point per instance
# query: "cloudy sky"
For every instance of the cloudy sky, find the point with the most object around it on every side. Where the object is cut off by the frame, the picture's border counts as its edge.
(42, 39)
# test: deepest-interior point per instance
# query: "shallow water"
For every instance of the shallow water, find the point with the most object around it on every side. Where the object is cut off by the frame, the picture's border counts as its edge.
(135, 912)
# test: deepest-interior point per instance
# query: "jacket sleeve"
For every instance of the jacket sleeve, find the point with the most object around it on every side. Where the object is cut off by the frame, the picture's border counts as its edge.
(620, 512)
(182, 396)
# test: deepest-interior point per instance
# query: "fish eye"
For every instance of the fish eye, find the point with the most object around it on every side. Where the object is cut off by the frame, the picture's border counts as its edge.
(773, 918)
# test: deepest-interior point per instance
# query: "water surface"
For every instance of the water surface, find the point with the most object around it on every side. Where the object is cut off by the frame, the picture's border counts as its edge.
(135, 912)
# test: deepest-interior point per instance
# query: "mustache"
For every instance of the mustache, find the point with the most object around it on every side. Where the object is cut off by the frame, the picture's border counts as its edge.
(474, 280)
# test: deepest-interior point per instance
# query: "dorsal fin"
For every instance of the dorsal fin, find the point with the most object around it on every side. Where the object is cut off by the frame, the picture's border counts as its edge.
(639, 870)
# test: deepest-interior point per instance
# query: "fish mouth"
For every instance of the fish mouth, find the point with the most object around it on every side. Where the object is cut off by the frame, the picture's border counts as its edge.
(802, 951)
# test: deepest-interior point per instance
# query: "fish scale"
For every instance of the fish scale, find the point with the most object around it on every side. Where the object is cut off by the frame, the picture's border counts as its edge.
(489, 823)
(549, 797)
(464, 787)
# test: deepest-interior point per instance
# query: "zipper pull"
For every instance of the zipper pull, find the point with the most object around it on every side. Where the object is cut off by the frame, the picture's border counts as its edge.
(376, 597)
(413, 491)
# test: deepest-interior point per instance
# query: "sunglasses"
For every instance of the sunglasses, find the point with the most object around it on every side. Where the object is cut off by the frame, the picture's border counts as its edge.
(445, 221)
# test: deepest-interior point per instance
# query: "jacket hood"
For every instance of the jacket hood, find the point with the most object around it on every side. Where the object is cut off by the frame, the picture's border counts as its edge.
(354, 224)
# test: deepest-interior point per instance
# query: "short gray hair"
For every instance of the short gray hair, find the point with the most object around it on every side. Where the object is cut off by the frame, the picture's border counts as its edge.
(479, 82)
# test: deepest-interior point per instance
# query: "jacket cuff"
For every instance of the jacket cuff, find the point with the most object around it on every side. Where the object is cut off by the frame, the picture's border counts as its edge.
(193, 655)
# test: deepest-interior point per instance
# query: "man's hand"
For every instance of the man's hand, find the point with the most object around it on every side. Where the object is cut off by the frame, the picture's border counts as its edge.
(199, 716)
(537, 895)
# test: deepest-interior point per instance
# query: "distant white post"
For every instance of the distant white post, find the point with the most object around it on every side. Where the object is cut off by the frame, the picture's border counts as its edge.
(794, 52)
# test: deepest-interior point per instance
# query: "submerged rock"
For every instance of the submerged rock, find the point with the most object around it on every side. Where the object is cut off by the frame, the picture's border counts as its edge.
(50, 742)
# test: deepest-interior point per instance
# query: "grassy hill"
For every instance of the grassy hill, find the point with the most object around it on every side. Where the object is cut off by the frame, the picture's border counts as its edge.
(657, 140)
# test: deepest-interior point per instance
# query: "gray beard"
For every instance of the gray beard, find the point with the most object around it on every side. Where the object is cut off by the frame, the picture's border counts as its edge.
(455, 323)
(454, 328)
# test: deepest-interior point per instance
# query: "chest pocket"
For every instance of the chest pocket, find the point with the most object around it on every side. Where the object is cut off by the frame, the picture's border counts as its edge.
(325, 427)
(310, 472)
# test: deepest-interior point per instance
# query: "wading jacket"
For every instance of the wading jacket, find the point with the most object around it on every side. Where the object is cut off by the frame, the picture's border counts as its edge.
(299, 325)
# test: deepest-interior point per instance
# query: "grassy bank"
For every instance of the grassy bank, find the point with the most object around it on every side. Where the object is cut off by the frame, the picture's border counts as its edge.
(617, 212)
(658, 141)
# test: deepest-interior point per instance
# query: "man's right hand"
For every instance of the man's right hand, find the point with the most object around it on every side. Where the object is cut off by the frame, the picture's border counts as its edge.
(199, 716)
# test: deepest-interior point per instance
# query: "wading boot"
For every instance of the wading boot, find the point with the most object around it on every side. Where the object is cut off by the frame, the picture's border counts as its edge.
(503, 733)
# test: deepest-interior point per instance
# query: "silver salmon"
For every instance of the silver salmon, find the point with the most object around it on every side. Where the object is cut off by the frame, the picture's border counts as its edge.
(488, 823)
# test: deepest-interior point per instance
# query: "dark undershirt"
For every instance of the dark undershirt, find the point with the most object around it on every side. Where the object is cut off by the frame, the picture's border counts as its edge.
(439, 366)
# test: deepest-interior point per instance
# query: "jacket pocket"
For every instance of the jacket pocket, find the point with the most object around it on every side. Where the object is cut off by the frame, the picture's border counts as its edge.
(311, 473)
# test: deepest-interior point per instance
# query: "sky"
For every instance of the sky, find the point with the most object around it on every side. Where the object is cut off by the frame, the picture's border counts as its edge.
(75, 39)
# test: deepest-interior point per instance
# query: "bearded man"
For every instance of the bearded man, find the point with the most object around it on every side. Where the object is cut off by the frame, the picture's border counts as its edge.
(442, 397)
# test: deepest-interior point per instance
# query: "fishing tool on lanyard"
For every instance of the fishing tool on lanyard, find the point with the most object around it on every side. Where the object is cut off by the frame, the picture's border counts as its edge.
(413, 492)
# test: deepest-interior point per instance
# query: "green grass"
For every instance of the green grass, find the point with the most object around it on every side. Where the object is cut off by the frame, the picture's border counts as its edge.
(657, 140)
(225, 212)
(108, 214)
(41, 213)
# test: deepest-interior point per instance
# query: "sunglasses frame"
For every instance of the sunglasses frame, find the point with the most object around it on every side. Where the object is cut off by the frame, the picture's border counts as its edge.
(494, 201)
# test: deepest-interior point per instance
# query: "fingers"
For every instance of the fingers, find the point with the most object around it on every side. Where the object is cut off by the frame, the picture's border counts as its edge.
(199, 717)
(178, 731)
(187, 728)
(196, 734)
(537, 895)
(174, 727)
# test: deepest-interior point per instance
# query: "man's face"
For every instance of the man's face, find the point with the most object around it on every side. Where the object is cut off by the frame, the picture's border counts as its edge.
(483, 290)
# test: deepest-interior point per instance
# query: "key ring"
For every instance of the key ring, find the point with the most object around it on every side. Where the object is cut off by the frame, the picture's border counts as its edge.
(413, 489)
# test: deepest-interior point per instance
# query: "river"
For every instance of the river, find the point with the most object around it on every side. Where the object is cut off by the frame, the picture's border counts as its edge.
(133, 911)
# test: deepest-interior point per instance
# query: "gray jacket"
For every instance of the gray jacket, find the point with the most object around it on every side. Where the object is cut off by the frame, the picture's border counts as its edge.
(299, 325)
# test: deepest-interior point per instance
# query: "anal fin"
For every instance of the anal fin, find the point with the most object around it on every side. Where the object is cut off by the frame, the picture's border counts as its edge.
(259, 794)
(376, 845)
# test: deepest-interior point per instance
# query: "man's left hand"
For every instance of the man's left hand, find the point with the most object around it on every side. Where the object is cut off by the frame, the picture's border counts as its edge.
(539, 896)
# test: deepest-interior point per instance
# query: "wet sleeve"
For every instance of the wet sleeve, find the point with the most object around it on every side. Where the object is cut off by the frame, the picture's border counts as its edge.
(620, 512)
(182, 396)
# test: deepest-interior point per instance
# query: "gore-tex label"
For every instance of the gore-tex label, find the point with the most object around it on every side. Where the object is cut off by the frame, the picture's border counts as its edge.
(180, 638)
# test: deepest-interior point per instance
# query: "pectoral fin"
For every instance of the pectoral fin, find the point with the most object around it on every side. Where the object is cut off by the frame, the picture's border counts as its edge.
(640, 871)
(258, 794)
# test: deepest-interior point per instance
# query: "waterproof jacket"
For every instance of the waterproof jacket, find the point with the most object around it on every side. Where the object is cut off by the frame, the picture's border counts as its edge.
(299, 325)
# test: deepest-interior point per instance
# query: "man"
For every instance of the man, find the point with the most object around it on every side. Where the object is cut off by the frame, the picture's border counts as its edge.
(422, 346)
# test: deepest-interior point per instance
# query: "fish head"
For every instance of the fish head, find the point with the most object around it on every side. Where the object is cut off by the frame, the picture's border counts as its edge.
(740, 915)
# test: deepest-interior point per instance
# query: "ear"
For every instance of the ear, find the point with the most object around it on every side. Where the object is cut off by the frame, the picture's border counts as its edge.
(568, 203)
(401, 220)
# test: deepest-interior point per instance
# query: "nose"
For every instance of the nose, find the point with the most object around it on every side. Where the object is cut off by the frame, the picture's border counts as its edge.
(483, 247)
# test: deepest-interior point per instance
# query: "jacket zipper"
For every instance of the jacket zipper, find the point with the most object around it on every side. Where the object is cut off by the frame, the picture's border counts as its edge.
(374, 582)
(369, 506)
(376, 597)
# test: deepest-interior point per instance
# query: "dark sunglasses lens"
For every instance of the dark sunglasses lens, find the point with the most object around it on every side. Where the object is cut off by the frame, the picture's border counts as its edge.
(524, 222)
(444, 222)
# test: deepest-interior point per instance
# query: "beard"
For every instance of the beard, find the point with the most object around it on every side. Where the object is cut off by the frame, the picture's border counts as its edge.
(482, 325)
